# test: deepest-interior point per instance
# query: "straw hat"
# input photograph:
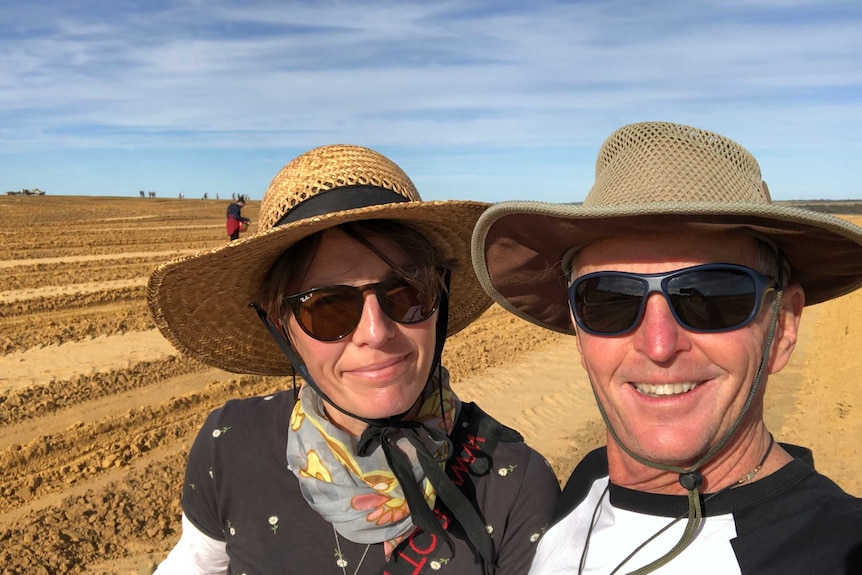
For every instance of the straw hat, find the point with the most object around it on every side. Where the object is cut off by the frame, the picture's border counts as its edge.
(656, 177)
(201, 303)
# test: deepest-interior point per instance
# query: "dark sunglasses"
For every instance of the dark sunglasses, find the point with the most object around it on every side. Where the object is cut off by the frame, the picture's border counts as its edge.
(330, 313)
(709, 298)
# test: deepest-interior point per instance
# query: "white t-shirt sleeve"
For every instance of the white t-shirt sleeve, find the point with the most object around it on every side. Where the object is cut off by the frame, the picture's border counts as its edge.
(195, 554)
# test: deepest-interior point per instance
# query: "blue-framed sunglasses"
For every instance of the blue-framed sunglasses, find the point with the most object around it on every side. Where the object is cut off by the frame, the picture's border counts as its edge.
(710, 298)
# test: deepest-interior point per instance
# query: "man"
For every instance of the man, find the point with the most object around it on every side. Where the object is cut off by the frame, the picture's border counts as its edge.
(235, 219)
(684, 285)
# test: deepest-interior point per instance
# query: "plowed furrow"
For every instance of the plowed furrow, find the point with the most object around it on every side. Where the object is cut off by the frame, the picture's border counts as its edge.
(26, 277)
(41, 400)
(54, 462)
(133, 294)
(26, 332)
(142, 452)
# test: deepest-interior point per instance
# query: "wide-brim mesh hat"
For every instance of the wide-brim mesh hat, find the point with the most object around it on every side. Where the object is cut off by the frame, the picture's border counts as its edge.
(201, 302)
(656, 177)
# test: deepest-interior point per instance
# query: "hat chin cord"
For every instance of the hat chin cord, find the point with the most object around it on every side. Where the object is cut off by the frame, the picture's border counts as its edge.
(385, 433)
(690, 478)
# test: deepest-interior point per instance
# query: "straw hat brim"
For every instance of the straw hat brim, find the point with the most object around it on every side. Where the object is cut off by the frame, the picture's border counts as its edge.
(518, 246)
(201, 302)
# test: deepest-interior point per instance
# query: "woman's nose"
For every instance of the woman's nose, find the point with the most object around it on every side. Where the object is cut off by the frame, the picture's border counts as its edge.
(374, 325)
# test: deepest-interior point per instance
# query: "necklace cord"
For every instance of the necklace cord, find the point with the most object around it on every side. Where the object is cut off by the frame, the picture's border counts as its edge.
(341, 561)
(592, 525)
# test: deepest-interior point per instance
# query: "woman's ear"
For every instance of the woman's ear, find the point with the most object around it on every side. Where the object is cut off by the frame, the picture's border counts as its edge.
(787, 329)
(283, 328)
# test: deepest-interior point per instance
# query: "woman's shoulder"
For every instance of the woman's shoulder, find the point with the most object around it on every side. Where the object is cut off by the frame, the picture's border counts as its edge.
(473, 421)
(244, 433)
(485, 446)
(511, 483)
(274, 409)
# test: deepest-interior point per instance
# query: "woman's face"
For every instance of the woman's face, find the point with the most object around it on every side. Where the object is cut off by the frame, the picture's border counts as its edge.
(380, 368)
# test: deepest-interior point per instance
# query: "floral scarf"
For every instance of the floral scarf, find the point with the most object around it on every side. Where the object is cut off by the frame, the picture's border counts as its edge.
(360, 496)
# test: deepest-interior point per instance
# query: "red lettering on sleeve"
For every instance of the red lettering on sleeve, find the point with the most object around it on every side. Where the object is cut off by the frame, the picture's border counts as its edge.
(459, 468)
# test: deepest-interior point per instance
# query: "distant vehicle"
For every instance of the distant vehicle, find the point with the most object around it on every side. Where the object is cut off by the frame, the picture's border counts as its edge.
(26, 192)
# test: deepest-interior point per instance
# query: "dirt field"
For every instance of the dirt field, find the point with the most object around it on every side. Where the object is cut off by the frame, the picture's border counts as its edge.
(97, 410)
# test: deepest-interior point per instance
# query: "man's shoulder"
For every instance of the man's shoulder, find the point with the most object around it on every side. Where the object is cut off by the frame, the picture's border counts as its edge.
(804, 523)
(800, 488)
(800, 482)
(591, 468)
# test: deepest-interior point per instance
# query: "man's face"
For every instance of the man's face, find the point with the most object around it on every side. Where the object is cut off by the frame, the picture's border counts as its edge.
(669, 393)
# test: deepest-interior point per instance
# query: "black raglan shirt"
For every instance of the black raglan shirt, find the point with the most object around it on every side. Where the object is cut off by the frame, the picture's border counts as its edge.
(794, 521)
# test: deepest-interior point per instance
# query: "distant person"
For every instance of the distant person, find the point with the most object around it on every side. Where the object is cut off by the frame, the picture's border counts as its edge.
(684, 286)
(353, 283)
(236, 223)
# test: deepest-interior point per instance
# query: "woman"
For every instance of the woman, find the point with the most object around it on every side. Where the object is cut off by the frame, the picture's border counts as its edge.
(352, 283)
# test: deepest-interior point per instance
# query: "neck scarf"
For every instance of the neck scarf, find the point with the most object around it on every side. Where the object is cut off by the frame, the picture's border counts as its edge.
(360, 495)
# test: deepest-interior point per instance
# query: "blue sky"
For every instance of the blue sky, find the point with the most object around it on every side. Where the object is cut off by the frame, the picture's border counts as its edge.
(487, 100)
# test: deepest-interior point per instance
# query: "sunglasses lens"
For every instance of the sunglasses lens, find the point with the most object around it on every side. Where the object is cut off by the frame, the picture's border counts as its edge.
(713, 300)
(330, 313)
(404, 303)
(608, 304)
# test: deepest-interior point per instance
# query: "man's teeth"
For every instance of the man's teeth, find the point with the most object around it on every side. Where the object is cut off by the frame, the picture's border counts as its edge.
(665, 389)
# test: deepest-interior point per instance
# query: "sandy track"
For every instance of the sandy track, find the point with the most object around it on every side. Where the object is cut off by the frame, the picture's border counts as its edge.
(92, 258)
(71, 289)
(95, 429)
